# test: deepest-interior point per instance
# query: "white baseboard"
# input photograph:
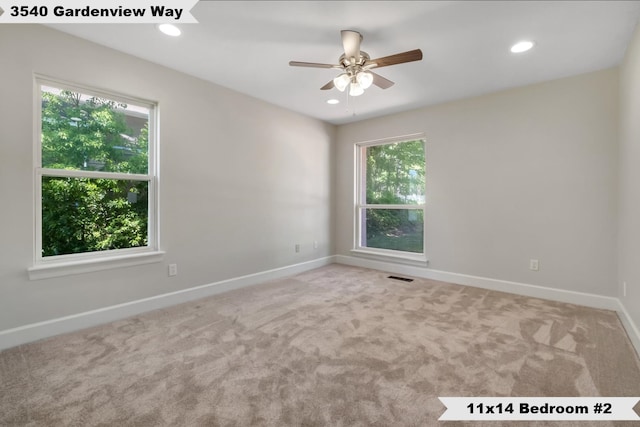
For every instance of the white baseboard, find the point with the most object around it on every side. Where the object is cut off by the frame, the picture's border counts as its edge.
(36, 331)
(572, 297)
(632, 329)
(579, 298)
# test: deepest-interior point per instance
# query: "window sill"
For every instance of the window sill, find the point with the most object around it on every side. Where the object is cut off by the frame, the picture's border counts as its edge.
(58, 269)
(393, 256)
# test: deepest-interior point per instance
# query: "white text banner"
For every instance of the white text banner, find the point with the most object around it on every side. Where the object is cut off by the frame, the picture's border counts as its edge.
(97, 12)
(539, 408)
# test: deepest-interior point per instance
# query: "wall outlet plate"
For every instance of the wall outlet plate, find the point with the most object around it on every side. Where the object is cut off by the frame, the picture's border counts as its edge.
(533, 264)
(173, 269)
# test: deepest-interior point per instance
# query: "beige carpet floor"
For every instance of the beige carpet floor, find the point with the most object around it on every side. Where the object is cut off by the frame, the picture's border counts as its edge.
(336, 346)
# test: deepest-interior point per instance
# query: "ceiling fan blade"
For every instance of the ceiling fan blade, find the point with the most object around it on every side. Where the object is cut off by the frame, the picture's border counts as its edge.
(398, 58)
(381, 82)
(351, 43)
(328, 86)
(312, 64)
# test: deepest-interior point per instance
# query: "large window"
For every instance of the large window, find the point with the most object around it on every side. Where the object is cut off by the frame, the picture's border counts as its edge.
(94, 174)
(390, 197)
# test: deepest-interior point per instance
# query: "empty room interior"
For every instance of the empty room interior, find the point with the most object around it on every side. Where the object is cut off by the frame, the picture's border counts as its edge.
(319, 213)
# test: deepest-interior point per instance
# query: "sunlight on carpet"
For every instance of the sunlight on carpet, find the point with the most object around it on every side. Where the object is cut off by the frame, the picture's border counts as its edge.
(336, 346)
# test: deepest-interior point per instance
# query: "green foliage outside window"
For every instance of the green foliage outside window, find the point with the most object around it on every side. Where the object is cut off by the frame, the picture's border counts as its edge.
(86, 214)
(395, 175)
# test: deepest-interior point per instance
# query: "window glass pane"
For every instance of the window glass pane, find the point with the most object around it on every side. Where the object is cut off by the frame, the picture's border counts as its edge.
(86, 215)
(395, 173)
(84, 132)
(394, 229)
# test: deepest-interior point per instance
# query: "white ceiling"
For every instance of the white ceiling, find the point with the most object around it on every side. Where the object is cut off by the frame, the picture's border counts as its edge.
(246, 46)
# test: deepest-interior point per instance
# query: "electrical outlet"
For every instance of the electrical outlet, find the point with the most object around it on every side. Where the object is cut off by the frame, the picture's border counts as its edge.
(173, 269)
(297, 247)
(624, 289)
(533, 264)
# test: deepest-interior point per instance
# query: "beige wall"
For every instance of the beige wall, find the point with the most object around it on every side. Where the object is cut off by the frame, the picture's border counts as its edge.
(242, 181)
(525, 173)
(521, 174)
(629, 220)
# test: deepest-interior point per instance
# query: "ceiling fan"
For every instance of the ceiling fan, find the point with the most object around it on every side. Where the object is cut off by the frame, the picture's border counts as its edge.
(356, 66)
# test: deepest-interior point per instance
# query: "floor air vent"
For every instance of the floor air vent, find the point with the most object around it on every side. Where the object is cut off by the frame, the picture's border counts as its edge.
(404, 279)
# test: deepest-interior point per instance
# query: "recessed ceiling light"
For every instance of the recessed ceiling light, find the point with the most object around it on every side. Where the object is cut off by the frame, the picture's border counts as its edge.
(333, 101)
(522, 46)
(170, 30)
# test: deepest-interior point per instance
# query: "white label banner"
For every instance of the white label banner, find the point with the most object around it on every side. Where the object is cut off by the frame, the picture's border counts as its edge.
(539, 408)
(97, 11)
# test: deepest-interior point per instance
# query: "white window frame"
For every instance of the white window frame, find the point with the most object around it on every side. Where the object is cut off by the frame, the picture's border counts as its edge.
(61, 265)
(360, 205)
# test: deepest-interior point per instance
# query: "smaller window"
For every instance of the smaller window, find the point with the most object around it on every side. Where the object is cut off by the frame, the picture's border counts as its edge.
(390, 197)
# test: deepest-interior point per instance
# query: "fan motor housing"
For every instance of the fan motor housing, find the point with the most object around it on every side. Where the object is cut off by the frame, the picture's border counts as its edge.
(346, 62)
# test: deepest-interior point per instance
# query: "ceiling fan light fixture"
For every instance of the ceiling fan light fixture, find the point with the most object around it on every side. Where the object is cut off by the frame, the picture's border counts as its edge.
(364, 79)
(355, 65)
(355, 89)
(341, 82)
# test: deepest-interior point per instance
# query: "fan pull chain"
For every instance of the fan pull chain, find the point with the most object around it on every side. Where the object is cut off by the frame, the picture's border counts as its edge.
(346, 93)
(353, 110)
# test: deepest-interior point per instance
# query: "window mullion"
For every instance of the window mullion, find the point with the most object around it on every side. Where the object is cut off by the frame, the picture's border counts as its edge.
(69, 173)
(380, 206)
